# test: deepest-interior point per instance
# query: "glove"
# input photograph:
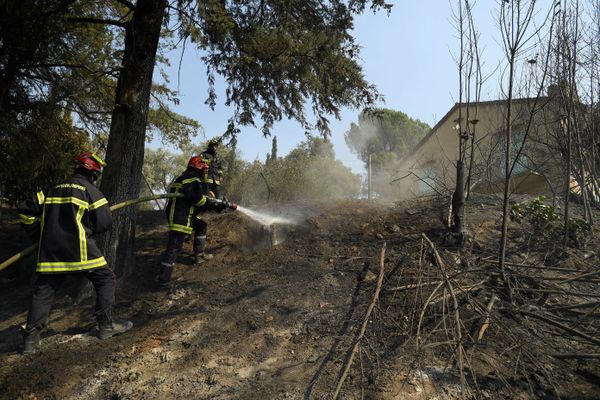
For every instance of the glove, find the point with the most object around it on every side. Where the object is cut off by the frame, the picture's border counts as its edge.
(232, 205)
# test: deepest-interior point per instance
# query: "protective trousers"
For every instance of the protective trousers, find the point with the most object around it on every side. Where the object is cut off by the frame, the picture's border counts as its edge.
(175, 245)
(46, 285)
(200, 229)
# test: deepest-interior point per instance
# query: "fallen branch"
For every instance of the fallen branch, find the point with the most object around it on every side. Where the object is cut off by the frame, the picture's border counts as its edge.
(363, 328)
(413, 286)
(573, 306)
(486, 321)
(531, 266)
(463, 290)
(562, 326)
(576, 355)
(565, 292)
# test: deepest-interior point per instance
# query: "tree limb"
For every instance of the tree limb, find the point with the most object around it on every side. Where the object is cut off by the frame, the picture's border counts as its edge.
(98, 21)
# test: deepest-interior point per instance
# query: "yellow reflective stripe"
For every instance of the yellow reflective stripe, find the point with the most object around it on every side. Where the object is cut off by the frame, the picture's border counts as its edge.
(180, 228)
(27, 219)
(212, 181)
(67, 200)
(41, 230)
(40, 197)
(98, 159)
(70, 186)
(172, 212)
(190, 180)
(189, 220)
(82, 238)
(98, 204)
(201, 202)
(62, 266)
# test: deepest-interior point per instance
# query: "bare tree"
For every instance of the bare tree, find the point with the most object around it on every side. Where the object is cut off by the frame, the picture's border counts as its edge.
(518, 31)
(469, 85)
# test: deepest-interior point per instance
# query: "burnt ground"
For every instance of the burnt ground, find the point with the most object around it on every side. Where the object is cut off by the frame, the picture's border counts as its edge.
(276, 321)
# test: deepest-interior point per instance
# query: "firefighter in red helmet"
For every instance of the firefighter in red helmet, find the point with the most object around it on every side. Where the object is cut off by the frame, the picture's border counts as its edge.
(181, 216)
(70, 214)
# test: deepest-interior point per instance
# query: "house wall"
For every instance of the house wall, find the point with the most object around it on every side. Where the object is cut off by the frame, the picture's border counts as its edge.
(537, 172)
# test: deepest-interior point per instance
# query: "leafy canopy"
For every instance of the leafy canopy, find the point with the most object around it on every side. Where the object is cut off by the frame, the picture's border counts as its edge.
(385, 135)
(278, 55)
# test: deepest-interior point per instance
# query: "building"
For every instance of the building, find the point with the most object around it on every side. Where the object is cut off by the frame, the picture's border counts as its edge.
(536, 150)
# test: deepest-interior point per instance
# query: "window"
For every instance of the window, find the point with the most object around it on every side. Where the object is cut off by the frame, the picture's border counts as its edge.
(426, 183)
(520, 163)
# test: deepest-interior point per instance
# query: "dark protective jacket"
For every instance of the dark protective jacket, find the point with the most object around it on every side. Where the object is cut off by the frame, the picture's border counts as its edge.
(215, 168)
(180, 211)
(72, 213)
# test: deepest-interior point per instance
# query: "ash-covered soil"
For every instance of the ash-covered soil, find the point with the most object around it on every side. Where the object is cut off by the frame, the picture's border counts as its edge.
(270, 318)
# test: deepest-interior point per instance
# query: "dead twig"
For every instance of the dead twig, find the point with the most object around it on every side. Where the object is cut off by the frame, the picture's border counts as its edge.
(363, 327)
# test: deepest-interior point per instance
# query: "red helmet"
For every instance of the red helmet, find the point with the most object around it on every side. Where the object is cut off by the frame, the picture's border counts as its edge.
(90, 161)
(196, 162)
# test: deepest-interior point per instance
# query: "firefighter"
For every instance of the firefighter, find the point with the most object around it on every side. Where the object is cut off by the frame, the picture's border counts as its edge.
(214, 174)
(182, 216)
(70, 214)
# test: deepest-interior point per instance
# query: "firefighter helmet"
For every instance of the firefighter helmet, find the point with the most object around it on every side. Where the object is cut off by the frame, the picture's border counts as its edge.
(196, 162)
(90, 161)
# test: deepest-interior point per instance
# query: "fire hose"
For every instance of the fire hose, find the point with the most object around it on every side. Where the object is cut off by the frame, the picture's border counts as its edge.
(32, 248)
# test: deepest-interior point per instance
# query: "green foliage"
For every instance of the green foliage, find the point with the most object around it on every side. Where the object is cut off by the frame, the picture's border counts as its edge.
(308, 172)
(57, 86)
(40, 155)
(546, 221)
(276, 56)
(387, 136)
(382, 131)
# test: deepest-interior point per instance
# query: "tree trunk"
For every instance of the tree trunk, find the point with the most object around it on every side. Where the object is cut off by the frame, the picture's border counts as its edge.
(125, 150)
(508, 171)
(458, 200)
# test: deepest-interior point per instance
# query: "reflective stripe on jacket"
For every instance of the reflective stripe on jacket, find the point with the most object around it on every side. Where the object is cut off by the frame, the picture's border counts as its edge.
(30, 212)
(180, 211)
(72, 213)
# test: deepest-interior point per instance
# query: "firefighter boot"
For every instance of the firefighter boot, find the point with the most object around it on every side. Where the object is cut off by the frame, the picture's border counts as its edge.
(109, 328)
(201, 257)
(31, 340)
(164, 275)
(199, 254)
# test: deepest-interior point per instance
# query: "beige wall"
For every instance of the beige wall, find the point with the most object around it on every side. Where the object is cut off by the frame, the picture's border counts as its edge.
(433, 163)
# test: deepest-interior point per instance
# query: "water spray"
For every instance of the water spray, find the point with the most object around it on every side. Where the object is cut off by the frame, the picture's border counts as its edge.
(274, 226)
(265, 218)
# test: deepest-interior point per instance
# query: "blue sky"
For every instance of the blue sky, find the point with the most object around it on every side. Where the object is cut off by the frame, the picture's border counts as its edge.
(407, 55)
